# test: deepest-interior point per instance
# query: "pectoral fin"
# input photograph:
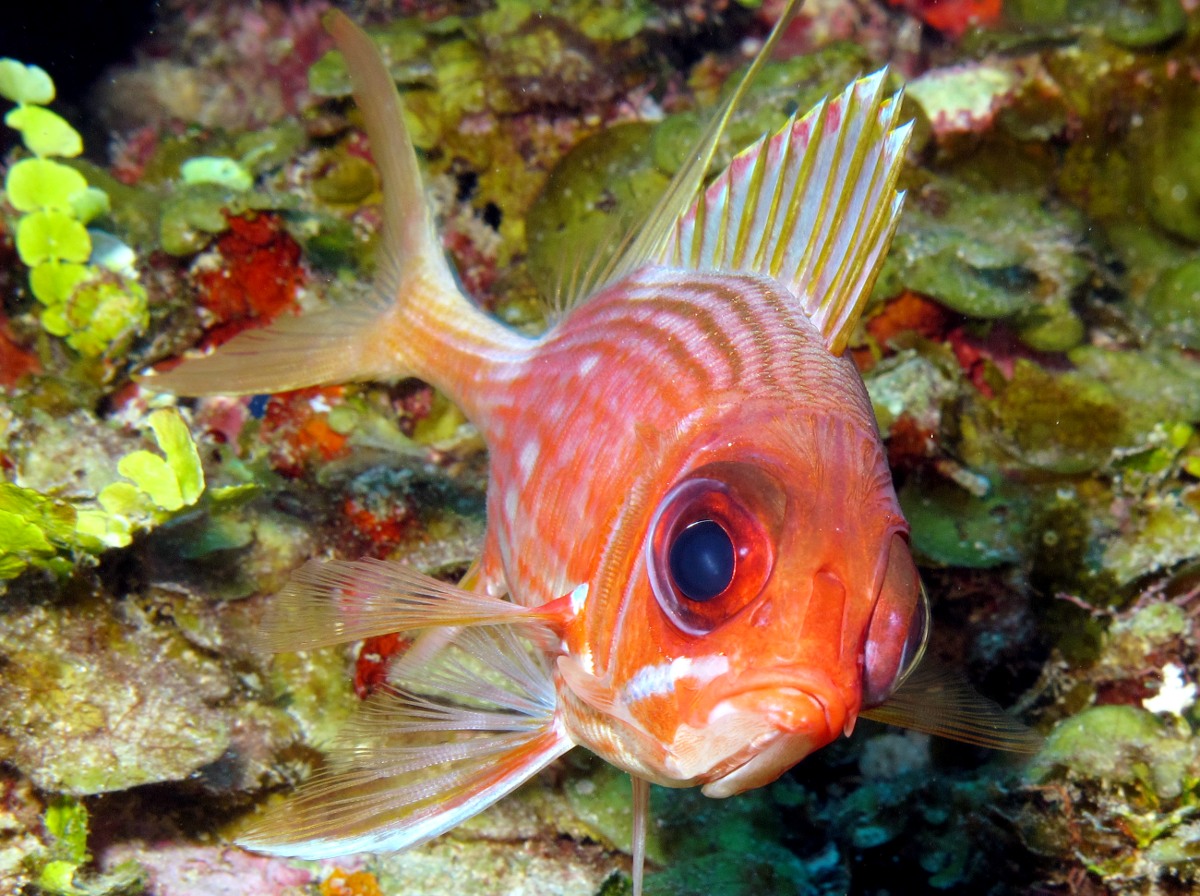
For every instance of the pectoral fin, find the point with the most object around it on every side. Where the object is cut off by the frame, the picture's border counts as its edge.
(335, 601)
(426, 754)
(937, 701)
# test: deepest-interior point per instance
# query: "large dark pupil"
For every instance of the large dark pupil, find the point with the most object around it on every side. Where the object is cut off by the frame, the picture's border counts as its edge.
(702, 560)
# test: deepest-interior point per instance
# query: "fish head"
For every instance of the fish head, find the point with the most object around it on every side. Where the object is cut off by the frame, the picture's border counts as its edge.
(774, 595)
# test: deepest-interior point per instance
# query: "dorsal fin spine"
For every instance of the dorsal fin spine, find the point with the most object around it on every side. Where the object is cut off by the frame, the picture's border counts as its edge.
(812, 206)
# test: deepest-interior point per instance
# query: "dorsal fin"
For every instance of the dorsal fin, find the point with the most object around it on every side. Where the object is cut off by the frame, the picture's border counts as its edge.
(813, 206)
(644, 241)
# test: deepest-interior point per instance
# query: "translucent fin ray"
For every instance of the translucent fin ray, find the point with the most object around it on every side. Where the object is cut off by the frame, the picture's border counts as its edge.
(294, 352)
(423, 756)
(331, 602)
(413, 292)
(813, 206)
(645, 240)
(641, 823)
(937, 701)
(408, 229)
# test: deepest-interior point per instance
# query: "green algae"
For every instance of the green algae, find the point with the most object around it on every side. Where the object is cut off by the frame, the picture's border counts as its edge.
(603, 801)
(608, 182)
(1133, 24)
(1027, 271)
(571, 224)
(952, 527)
(1172, 306)
(1062, 423)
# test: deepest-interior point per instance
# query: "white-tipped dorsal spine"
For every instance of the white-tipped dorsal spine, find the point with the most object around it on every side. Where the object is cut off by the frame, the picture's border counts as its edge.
(813, 206)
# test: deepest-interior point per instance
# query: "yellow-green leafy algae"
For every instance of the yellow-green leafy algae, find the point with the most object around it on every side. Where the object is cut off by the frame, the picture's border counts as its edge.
(45, 531)
(61, 872)
(97, 308)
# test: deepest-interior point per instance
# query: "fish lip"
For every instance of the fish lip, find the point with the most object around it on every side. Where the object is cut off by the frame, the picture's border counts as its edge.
(768, 759)
(787, 683)
(790, 722)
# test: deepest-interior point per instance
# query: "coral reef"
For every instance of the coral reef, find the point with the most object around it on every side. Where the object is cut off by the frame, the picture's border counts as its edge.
(1031, 353)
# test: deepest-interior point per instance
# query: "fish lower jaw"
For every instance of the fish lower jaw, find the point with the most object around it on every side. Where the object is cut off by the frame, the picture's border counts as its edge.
(750, 739)
(769, 761)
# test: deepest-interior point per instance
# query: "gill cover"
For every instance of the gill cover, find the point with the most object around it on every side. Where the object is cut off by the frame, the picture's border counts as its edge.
(899, 626)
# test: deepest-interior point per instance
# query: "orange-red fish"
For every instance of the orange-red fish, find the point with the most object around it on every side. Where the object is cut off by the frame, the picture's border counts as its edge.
(695, 564)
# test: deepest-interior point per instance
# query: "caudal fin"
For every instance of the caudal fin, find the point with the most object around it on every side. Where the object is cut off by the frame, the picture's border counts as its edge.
(412, 322)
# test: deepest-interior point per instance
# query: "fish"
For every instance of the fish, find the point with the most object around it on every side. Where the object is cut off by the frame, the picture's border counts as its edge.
(694, 565)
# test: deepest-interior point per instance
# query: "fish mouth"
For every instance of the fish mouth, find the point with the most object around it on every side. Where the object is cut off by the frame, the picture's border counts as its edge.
(769, 761)
(751, 737)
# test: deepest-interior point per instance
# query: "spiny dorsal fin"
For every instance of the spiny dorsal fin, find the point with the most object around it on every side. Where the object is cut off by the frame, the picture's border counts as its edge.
(936, 701)
(814, 206)
(644, 241)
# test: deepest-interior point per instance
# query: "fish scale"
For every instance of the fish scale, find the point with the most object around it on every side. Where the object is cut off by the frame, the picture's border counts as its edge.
(696, 379)
(702, 336)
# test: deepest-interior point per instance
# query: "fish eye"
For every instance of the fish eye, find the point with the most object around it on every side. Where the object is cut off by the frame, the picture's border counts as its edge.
(712, 544)
(702, 560)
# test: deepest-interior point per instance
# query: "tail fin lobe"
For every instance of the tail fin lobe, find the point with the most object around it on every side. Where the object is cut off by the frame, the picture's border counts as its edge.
(415, 321)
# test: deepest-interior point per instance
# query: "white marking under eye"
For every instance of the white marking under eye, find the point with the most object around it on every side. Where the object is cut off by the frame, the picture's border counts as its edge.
(578, 597)
(529, 456)
(650, 681)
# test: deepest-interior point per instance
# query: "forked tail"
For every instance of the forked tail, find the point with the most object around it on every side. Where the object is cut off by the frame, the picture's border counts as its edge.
(414, 322)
